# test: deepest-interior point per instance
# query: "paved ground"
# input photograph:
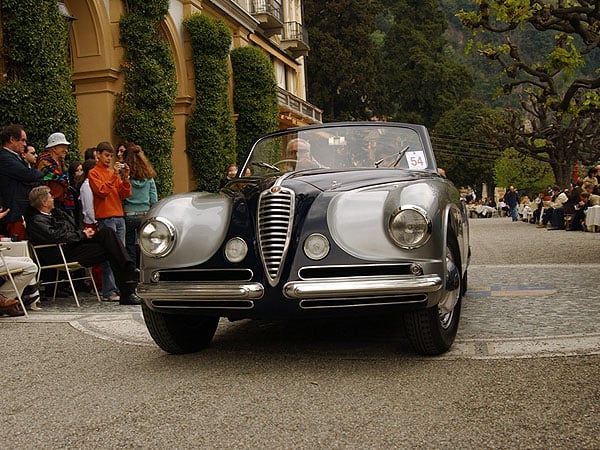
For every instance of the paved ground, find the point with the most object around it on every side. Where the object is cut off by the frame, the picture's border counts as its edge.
(545, 304)
(523, 372)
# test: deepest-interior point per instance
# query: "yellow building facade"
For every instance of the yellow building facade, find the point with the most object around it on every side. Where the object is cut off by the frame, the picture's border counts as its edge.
(96, 55)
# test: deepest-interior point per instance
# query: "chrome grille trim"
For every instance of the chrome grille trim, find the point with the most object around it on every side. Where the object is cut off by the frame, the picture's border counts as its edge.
(275, 221)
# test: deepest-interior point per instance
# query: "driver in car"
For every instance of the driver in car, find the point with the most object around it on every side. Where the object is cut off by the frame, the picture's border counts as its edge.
(299, 150)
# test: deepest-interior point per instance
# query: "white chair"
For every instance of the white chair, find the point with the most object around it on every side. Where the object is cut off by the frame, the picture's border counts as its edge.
(63, 268)
(6, 272)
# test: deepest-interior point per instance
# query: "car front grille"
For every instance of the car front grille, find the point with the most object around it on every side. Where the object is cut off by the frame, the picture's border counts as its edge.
(275, 220)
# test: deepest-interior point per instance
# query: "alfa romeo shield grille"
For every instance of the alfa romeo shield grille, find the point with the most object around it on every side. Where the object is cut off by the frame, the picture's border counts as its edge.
(275, 219)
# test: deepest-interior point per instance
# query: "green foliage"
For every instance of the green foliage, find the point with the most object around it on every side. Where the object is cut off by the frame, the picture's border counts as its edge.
(527, 174)
(461, 146)
(342, 64)
(384, 59)
(551, 83)
(144, 111)
(37, 91)
(421, 80)
(210, 128)
(254, 96)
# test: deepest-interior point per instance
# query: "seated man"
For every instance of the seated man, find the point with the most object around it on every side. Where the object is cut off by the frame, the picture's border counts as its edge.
(554, 213)
(47, 225)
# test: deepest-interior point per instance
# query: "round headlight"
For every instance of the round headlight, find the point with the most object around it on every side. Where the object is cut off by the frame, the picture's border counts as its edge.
(410, 227)
(316, 246)
(236, 250)
(157, 237)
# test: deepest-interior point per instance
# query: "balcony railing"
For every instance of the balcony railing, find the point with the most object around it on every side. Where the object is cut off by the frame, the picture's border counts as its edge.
(297, 106)
(295, 39)
(269, 13)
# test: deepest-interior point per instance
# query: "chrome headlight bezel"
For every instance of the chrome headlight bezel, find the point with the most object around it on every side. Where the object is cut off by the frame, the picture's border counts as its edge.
(409, 226)
(157, 237)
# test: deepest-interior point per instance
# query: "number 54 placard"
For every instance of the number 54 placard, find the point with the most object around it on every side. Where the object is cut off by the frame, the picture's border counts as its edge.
(416, 160)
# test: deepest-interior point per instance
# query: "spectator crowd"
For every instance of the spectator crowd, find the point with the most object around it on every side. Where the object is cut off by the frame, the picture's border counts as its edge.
(93, 207)
(554, 208)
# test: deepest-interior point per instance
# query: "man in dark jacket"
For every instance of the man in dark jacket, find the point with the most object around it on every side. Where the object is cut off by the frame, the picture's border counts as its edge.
(47, 225)
(512, 200)
(16, 179)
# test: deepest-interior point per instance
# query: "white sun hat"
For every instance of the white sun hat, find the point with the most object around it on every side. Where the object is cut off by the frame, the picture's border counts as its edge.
(56, 139)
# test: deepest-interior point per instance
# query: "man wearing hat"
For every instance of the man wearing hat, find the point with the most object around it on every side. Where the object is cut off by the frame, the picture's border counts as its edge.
(56, 174)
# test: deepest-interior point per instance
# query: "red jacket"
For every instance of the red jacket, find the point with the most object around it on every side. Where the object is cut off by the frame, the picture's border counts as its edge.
(109, 191)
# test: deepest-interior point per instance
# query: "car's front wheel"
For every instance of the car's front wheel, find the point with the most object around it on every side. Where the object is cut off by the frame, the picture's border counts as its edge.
(179, 334)
(432, 331)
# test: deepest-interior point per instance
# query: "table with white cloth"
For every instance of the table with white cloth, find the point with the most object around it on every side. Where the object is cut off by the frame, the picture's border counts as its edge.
(20, 248)
(592, 218)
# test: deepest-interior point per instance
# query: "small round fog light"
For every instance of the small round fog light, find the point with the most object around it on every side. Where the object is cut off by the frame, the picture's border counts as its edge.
(416, 269)
(316, 246)
(236, 250)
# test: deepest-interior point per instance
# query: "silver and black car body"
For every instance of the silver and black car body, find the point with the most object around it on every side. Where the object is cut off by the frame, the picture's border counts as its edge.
(327, 220)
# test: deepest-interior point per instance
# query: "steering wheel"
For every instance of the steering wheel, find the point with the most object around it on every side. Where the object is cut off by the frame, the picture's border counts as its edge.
(285, 161)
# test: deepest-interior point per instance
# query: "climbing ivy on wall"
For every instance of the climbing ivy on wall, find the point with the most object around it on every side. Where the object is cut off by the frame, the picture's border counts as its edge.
(254, 96)
(37, 91)
(144, 110)
(210, 127)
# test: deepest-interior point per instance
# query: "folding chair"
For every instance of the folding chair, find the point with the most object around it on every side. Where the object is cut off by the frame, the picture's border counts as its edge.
(6, 272)
(63, 268)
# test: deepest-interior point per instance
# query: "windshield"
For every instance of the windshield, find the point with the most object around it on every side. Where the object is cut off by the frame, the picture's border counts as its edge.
(339, 148)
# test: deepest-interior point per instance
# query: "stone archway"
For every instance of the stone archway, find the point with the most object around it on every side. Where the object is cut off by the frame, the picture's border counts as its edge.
(95, 55)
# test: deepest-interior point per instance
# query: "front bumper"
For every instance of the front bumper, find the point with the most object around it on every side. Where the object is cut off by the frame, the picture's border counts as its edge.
(309, 294)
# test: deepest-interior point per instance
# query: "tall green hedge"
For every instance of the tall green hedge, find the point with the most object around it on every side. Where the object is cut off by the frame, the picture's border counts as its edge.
(144, 110)
(210, 127)
(254, 96)
(37, 91)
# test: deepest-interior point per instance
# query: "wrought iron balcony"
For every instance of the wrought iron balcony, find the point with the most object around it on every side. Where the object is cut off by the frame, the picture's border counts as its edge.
(294, 39)
(269, 13)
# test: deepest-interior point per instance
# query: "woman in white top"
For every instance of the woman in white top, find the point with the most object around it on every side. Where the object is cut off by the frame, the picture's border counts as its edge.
(86, 197)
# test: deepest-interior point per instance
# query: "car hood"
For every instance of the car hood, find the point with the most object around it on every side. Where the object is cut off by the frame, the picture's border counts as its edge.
(353, 179)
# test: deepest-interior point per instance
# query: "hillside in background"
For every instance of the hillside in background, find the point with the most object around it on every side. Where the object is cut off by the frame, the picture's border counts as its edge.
(533, 45)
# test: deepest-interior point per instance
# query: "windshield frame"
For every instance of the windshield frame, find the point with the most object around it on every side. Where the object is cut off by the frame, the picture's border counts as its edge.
(342, 146)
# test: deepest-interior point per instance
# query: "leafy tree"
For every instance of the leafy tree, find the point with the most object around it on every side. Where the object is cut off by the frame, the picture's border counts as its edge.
(558, 122)
(461, 147)
(341, 65)
(421, 80)
(144, 111)
(527, 174)
(37, 91)
(254, 96)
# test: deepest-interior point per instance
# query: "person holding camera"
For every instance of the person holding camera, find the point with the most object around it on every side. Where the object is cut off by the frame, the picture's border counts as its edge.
(110, 186)
(144, 195)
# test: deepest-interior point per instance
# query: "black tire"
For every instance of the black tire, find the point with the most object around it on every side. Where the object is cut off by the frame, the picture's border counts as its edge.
(178, 334)
(430, 332)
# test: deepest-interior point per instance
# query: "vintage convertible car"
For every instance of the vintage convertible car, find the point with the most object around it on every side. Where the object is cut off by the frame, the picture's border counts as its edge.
(326, 220)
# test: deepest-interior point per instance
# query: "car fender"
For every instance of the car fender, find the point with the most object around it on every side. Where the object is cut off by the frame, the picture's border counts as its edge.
(200, 220)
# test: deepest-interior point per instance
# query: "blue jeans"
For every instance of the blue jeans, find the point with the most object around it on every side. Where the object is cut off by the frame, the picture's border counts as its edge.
(109, 285)
(132, 225)
(514, 213)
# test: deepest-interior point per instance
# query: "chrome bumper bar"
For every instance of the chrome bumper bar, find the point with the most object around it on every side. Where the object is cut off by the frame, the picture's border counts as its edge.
(201, 291)
(361, 287)
(305, 289)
